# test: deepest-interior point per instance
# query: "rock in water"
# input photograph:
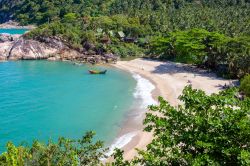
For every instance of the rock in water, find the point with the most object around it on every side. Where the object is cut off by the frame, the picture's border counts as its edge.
(51, 48)
(30, 50)
(5, 37)
(54, 58)
(5, 50)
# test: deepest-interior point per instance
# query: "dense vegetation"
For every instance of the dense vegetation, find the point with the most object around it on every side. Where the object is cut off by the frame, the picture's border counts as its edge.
(229, 17)
(66, 152)
(231, 55)
(245, 85)
(126, 28)
(205, 130)
(96, 34)
(43, 11)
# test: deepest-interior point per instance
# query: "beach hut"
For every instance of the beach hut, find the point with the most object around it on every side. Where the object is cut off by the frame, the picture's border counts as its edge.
(121, 34)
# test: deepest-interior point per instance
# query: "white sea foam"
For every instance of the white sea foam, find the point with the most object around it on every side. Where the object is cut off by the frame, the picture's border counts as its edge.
(121, 142)
(143, 91)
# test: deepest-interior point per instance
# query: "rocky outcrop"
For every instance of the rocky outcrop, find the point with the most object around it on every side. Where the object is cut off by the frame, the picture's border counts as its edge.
(5, 50)
(14, 25)
(17, 48)
(8, 38)
(14, 48)
(30, 49)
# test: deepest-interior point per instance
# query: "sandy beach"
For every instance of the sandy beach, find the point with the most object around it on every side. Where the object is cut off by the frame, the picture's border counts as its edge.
(169, 80)
(15, 25)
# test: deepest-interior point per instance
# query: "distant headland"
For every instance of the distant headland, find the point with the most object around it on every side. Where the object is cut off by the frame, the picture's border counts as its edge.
(19, 47)
(15, 25)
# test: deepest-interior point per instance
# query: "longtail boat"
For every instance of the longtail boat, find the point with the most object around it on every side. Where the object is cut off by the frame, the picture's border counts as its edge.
(97, 72)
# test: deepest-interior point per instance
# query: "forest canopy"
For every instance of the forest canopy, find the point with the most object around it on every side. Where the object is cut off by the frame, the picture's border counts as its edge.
(229, 17)
(212, 34)
(166, 29)
(205, 130)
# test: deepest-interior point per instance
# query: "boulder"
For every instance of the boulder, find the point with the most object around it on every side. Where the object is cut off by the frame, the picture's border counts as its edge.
(54, 42)
(16, 48)
(30, 50)
(5, 49)
(110, 58)
(2, 58)
(5, 37)
(88, 46)
(52, 48)
(69, 54)
(54, 58)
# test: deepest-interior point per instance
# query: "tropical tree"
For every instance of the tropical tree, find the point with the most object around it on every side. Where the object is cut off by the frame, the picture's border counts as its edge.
(66, 152)
(245, 85)
(205, 130)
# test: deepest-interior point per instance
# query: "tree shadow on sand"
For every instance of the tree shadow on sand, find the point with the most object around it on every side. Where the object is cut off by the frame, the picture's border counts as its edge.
(172, 68)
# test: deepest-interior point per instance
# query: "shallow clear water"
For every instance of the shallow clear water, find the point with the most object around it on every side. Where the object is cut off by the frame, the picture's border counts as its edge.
(44, 100)
(13, 31)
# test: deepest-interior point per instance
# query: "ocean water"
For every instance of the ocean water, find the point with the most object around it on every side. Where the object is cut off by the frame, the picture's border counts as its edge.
(143, 97)
(13, 31)
(44, 100)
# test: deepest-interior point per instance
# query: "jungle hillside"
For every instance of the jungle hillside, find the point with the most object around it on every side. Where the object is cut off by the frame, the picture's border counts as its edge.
(208, 33)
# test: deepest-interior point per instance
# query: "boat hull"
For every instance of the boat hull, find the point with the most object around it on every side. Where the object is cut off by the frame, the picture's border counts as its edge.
(97, 72)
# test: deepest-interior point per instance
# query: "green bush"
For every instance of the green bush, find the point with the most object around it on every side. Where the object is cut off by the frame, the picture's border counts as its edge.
(89, 36)
(205, 130)
(65, 152)
(126, 50)
(70, 32)
(245, 85)
(209, 49)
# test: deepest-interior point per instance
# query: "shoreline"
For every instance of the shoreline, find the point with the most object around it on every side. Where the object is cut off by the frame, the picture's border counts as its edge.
(15, 25)
(131, 131)
(169, 79)
(132, 126)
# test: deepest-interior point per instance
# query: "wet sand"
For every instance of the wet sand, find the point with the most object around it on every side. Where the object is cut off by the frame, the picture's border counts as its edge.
(169, 80)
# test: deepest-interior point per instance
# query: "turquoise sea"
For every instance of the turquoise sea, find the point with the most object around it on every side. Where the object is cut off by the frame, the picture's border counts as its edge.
(13, 31)
(44, 100)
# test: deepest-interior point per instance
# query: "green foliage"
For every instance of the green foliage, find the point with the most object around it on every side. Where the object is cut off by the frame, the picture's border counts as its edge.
(245, 85)
(15, 156)
(229, 20)
(210, 49)
(66, 152)
(210, 33)
(70, 32)
(43, 11)
(237, 52)
(94, 30)
(69, 17)
(205, 130)
(119, 160)
(129, 25)
(126, 50)
(228, 17)
(89, 36)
